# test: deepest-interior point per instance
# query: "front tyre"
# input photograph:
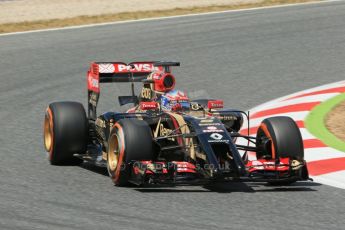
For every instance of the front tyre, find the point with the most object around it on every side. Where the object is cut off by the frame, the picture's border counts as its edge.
(280, 137)
(65, 132)
(129, 140)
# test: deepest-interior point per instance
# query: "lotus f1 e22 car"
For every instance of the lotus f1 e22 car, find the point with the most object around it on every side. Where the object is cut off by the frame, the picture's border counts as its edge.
(165, 137)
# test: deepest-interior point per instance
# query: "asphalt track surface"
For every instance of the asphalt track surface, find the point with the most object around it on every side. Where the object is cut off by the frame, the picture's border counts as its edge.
(246, 58)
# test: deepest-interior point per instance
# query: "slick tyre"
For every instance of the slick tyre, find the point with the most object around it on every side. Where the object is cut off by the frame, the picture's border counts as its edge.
(65, 132)
(129, 140)
(279, 137)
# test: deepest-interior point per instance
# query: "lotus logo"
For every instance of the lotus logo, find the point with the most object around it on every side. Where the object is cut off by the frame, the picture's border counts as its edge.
(216, 136)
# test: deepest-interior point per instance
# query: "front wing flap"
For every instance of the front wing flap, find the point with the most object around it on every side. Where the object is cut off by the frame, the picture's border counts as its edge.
(182, 172)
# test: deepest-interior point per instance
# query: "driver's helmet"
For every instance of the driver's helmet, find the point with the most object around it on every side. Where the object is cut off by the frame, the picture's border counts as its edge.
(175, 100)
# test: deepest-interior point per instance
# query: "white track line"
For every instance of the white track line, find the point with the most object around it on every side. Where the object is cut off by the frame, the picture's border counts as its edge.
(332, 179)
(295, 101)
(274, 101)
(169, 17)
(316, 154)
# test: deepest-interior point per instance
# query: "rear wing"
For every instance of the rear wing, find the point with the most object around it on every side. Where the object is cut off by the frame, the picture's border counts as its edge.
(108, 72)
(100, 72)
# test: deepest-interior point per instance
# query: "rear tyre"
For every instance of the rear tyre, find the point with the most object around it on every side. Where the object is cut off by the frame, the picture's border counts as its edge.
(65, 132)
(129, 140)
(279, 137)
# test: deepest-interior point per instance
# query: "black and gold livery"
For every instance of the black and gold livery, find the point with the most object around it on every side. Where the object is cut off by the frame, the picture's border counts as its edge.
(149, 145)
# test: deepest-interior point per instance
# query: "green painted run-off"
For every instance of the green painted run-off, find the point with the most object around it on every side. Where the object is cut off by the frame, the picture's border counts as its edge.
(315, 123)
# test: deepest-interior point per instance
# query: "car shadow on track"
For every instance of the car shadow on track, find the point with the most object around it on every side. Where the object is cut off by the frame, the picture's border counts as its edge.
(220, 188)
(93, 168)
(255, 187)
(295, 187)
(231, 187)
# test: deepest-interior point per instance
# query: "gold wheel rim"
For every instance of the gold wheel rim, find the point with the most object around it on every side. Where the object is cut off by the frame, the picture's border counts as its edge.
(48, 136)
(113, 152)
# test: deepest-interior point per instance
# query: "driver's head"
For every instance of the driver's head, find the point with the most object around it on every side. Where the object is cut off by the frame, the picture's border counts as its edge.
(175, 100)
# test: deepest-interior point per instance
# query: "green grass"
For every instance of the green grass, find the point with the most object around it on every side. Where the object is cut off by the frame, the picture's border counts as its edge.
(315, 123)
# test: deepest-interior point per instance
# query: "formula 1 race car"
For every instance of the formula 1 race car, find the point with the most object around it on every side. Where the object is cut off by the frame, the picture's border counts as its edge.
(165, 138)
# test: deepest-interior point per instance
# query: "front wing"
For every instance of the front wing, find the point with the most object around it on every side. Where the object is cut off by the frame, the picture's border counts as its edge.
(182, 172)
